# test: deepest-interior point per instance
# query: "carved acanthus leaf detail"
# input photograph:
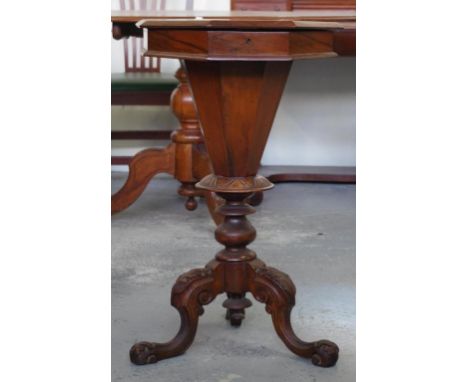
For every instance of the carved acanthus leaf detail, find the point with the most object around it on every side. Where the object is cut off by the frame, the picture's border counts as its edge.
(218, 183)
(279, 279)
(184, 280)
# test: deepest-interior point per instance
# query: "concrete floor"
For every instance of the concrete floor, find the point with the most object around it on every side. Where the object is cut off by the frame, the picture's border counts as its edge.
(306, 230)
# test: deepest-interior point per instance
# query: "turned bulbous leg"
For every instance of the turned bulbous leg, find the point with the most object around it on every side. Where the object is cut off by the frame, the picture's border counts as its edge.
(187, 140)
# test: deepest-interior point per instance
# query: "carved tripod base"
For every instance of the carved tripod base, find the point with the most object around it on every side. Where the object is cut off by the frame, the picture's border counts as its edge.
(236, 103)
(199, 287)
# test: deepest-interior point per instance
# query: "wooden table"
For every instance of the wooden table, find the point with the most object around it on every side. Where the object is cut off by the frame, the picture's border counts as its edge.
(185, 157)
(123, 22)
(237, 65)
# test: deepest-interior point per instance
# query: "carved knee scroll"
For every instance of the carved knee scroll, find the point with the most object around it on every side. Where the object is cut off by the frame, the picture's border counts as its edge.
(273, 288)
(191, 291)
(277, 291)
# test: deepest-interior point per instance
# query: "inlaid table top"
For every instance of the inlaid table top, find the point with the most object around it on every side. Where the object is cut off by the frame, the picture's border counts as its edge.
(342, 23)
(344, 15)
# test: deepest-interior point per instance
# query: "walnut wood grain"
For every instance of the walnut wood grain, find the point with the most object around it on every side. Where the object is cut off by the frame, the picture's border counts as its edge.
(236, 99)
(276, 290)
(185, 158)
(142, 168)
(124, 22)
(236, 102)
(242, 23)
(343, 44)
(124, 17)
(241, 45)
(191, 291)
(182, 154)
(191, 162)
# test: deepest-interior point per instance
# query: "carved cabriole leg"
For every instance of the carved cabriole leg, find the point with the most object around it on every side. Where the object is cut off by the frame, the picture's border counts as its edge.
(191, 291)
(142, 168)
(277, 291)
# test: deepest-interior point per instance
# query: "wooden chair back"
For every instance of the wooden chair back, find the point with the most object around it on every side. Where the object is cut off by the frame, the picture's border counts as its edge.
(290, 5)
(133, 47)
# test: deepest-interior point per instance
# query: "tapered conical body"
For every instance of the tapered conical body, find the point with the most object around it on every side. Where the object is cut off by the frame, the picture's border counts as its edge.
(237, 103)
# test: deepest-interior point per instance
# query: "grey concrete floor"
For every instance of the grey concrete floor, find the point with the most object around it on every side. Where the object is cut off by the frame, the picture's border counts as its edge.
(306, 230)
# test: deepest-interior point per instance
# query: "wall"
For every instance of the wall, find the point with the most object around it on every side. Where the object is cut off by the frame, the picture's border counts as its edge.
(315, 123)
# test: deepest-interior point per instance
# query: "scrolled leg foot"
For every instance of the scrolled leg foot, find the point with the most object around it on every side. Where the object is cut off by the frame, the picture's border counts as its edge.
(143, 353)
(191, 290)
(326, 354)
(277, 291)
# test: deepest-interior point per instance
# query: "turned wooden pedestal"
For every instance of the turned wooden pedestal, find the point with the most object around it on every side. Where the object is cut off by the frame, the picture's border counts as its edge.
(237, 68)
(185, 158)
